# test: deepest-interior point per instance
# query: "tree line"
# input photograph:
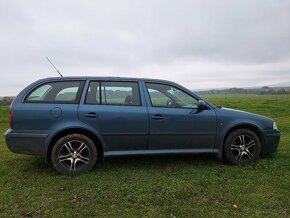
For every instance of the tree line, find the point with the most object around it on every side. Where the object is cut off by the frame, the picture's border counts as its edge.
(6, 100)
(265, 90)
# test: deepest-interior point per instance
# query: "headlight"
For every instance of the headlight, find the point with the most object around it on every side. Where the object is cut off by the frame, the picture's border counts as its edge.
(275, 125)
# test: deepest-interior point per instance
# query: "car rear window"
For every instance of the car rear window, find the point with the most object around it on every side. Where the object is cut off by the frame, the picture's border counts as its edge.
(56, 92)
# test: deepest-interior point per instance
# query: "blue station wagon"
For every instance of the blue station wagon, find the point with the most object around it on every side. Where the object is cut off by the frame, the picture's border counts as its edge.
(76, 121)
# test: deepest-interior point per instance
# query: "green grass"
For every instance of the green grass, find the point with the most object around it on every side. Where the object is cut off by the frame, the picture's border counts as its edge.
(155, 186)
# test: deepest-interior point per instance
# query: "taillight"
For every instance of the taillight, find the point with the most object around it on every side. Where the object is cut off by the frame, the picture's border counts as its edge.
(10, 119)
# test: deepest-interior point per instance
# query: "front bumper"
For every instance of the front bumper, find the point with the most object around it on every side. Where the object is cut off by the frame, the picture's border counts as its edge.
(270, 139)
(26, 142)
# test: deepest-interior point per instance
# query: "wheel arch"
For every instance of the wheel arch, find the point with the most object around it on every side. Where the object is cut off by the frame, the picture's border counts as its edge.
(249, 126)
(96, 139)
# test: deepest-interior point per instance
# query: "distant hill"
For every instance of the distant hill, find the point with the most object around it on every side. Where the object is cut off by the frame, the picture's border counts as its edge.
(283, 84)
(265, 90)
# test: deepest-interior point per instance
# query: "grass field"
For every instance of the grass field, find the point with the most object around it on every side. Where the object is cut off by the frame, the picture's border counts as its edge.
(155, 186)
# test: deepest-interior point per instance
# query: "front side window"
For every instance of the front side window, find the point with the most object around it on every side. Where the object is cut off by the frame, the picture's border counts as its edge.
(162, 95)
(113, 93)
(56, 92)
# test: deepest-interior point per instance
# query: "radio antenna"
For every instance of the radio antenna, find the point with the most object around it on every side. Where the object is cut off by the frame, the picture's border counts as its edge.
(54, 67)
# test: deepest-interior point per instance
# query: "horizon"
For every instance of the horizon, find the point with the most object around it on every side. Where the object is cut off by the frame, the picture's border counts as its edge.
(287, 85)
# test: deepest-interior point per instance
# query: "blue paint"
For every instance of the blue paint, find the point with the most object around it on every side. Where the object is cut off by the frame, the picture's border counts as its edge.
(129, 129)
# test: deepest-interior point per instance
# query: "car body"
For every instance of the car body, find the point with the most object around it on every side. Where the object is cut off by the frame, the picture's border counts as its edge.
(130, 116)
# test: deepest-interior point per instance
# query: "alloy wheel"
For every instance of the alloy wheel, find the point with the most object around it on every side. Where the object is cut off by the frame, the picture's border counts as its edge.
(74, 155)
(243, 147)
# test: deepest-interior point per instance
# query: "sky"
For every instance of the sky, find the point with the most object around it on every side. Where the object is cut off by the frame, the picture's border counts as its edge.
(198, 44)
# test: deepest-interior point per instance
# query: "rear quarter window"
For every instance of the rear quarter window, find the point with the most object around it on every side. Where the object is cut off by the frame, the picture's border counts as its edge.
(56, 92)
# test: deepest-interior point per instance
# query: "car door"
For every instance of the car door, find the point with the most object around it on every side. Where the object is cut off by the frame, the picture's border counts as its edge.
(175, 120)
(116, 110)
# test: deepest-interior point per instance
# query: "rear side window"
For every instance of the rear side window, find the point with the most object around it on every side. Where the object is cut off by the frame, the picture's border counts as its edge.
(113, 93)
(56, 92)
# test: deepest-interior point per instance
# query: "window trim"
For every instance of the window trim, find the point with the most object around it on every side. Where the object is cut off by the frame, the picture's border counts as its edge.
(100, 90)
(159, 83)
(78, 95)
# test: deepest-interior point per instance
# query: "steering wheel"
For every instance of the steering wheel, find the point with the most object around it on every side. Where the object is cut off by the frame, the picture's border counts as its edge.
(169, 103)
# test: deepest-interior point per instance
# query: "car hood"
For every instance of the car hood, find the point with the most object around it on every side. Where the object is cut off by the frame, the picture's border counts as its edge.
(242, 114)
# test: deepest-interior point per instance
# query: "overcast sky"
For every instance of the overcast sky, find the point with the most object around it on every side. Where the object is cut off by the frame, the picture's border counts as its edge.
(199, 44)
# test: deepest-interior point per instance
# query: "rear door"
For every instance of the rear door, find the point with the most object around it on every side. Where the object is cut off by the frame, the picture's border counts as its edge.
(116, 110)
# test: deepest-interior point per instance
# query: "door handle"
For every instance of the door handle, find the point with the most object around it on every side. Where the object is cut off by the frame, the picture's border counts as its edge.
(92, 114)
(157, 117)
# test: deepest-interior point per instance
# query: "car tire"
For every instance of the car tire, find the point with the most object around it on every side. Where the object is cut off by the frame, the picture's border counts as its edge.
(242, 147)
(74, 154)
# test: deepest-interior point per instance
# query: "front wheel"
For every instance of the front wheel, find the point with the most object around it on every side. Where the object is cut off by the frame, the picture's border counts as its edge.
(241, 147)
(74, 154)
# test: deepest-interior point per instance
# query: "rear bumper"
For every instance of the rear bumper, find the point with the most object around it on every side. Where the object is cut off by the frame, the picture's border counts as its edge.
(271, 139)
(26, 143)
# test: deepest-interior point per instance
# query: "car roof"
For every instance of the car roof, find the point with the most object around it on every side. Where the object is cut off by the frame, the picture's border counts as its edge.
(105, 78)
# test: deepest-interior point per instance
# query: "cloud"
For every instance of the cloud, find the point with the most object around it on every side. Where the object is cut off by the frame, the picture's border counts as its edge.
(197, 43)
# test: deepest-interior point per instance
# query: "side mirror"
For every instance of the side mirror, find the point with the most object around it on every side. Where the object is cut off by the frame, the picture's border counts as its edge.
(201, 105)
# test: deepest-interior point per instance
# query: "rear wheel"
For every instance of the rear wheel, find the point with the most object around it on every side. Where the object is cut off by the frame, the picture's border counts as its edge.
(74, 154)
(241, 147)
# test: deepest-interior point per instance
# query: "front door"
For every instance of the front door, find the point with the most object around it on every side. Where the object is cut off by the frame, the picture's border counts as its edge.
(176, 122)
